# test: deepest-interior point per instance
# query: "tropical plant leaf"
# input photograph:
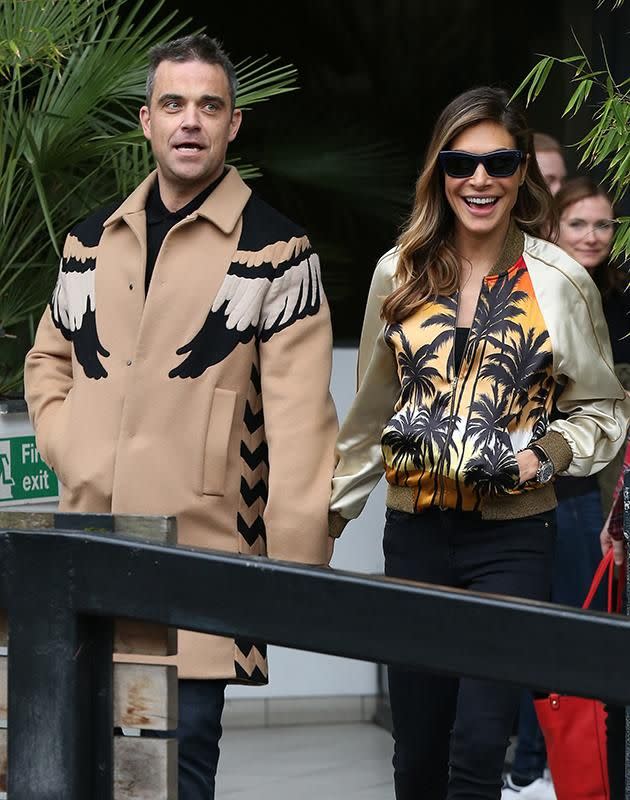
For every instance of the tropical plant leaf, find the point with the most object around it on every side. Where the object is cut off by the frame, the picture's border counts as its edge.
(72, 74)
(579, 96)
(607, 143)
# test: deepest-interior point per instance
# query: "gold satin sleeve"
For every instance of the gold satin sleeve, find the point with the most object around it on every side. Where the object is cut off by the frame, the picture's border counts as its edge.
(358, 449)
(597, 406)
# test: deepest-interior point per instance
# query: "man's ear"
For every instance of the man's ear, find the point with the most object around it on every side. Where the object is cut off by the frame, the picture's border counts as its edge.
(235, 124)
(145, 121)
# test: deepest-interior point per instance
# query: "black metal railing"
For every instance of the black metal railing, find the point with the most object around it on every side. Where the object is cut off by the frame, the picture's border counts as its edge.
(63, 588)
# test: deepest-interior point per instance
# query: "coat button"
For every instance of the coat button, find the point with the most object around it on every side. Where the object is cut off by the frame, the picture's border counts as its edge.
(131, 287)
(128, 363)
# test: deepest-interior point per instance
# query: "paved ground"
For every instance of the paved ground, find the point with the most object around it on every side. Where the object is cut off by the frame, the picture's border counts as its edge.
(335, 762)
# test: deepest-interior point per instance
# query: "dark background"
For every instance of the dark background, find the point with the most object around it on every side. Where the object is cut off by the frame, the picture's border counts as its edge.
(341, 154)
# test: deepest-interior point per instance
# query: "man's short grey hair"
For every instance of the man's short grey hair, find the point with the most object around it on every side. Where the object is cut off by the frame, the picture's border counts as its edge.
(197, 47)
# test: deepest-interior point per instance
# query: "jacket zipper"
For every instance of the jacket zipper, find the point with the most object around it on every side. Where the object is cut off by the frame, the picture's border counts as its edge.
(454, 382)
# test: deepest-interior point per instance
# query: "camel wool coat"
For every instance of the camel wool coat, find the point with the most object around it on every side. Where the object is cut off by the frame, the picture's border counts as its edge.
(208, 399)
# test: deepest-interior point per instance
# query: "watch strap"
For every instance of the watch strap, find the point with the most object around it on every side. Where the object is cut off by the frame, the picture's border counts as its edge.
(542, 455)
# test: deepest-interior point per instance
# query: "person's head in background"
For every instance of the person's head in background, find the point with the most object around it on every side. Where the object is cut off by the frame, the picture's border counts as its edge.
(550, 160)
(587, 225)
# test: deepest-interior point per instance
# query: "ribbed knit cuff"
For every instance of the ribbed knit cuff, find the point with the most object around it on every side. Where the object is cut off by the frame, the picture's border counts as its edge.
(557, 449)
(336, 524)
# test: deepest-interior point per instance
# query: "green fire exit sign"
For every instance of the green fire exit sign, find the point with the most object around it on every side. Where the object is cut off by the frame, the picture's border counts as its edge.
(23, 474)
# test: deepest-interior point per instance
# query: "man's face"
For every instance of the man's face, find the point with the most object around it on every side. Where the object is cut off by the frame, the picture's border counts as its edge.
(552, 167)
(189, 124)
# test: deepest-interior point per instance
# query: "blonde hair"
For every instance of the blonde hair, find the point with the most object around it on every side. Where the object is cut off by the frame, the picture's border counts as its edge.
(427, 262)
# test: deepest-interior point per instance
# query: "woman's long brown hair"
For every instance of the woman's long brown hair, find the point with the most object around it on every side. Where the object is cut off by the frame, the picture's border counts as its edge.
(427, 262)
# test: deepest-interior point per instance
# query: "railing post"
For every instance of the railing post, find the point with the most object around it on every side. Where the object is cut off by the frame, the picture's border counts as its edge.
(626, 533)
(60, 690)
(99, 676)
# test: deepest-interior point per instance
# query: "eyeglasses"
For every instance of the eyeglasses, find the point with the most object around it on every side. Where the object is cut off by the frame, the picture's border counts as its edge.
(603, 227)
(498, 163)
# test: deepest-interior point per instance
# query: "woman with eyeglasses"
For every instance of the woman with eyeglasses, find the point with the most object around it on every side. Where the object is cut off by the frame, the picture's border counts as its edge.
(475, 330)
(587, 225)
(587, 221)
(586, 233)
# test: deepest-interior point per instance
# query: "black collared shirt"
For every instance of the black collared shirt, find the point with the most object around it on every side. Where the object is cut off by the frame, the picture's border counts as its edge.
(160, 220)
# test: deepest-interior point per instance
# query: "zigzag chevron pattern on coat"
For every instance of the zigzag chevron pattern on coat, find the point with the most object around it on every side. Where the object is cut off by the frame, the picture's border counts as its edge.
(251, 533)
(252, 420)
(250, 661)
(254, 473)
(252, 493)
(259, 455)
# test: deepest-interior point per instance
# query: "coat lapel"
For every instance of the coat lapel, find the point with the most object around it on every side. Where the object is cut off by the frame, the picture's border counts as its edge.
(191, 266)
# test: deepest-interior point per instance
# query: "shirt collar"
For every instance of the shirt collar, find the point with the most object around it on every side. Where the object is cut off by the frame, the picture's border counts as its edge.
(222, 208)
(157, 212)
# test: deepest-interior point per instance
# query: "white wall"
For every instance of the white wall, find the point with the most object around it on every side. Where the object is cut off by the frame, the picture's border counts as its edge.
(295, 673)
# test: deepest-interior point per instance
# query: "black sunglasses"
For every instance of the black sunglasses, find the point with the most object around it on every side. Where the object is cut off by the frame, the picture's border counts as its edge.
(498, 163)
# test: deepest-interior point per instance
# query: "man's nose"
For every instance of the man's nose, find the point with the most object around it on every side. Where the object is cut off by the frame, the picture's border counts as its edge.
(190, 118)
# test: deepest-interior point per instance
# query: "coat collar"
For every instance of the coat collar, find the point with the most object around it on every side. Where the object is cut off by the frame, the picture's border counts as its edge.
(223, 207)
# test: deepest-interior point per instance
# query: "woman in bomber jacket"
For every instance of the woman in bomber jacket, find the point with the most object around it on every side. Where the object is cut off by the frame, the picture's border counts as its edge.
(476, 331)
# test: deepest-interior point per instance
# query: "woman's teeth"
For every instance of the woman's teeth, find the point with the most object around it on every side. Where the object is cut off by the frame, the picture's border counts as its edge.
(480, 201)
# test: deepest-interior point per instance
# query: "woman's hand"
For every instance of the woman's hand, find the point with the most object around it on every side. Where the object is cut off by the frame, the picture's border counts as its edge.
(618, 545)
(528, 463)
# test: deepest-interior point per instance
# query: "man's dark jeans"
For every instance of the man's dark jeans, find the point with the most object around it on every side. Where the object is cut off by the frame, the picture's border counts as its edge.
(198, 733)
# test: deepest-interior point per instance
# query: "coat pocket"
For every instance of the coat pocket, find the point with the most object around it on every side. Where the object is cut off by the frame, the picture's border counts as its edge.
(218, 442)
(56, 449)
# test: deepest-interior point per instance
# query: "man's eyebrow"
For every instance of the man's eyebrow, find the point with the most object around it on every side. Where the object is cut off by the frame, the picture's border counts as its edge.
(205, 98)
(213, 98)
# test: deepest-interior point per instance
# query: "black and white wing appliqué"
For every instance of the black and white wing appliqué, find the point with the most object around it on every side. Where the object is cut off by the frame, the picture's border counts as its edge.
(259, 300)
(72, 306)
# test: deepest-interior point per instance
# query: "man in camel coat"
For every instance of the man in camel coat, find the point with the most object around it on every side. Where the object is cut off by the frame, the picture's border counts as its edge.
(183, 368)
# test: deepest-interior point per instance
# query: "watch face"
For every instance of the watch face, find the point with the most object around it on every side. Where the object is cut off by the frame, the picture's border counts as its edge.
(545, 472)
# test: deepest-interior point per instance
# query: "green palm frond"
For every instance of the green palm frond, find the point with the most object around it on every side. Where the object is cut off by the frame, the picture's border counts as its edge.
(607, 143)
(38, 33)
(72, 76)
(259, 80)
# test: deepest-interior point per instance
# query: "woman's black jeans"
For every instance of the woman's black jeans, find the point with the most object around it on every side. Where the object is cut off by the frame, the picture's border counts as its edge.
(450, 735)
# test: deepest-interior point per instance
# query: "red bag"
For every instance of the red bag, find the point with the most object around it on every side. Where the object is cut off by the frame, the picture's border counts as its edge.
(575, 727)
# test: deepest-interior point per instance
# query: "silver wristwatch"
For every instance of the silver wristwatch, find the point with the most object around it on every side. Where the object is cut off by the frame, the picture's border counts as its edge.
(544, 473)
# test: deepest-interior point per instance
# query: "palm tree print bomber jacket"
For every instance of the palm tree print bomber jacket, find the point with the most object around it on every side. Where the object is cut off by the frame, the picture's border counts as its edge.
(537, 367)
